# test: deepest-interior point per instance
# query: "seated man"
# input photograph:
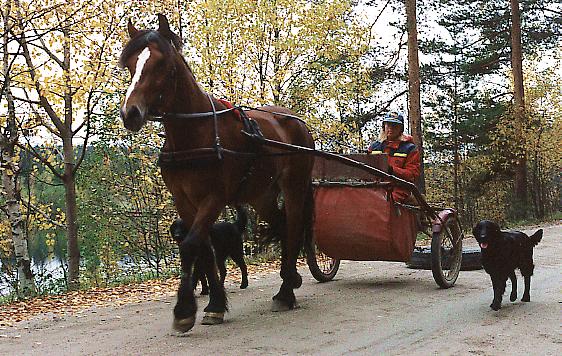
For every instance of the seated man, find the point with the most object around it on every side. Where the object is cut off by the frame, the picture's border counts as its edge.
(403, 155)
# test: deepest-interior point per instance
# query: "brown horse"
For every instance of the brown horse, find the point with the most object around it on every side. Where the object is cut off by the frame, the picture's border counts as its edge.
(207, 163)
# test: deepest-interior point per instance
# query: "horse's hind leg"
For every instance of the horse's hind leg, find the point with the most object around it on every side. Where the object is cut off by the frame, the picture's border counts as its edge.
(269, 212)
(298, 209)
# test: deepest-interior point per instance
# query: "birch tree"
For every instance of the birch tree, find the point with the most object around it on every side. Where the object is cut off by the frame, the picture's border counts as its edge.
(9, 163)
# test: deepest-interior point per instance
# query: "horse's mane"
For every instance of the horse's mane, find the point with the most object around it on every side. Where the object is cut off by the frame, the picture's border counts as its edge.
(145, 37)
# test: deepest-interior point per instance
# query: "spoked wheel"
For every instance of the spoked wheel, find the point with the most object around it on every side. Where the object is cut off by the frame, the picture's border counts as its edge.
(322, 267)
(446, 253)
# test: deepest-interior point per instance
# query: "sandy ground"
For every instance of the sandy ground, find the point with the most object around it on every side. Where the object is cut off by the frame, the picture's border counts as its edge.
(370, 308)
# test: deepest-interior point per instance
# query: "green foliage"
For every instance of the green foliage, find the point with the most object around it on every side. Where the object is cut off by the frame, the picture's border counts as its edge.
(487, 48)
(487, 145)
(125, 210)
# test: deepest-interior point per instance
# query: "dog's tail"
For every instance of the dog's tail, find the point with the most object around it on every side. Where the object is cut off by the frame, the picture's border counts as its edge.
(241, 218)
(536, 237)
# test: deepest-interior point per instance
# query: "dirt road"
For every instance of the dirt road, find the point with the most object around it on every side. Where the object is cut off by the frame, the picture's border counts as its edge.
(370, 308)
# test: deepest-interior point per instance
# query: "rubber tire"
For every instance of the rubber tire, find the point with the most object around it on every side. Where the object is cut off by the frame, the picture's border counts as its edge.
(421, 259)
(320, 274)
(438, 264)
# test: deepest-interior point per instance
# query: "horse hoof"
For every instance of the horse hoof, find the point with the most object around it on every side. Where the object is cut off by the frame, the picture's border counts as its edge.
(281, 306)
(211, 318)
(184, 325)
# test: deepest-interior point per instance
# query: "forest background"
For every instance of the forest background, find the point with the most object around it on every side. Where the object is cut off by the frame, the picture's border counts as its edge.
(80, 190)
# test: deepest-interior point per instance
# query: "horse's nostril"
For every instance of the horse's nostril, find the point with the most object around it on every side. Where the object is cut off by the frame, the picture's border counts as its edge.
(132, 119)
(133, 113)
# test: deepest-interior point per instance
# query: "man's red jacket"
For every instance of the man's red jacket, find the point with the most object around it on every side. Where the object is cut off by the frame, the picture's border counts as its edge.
(404, 160)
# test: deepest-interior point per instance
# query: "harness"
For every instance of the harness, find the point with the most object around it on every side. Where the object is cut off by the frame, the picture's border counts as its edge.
(197, 156)
(202, 157)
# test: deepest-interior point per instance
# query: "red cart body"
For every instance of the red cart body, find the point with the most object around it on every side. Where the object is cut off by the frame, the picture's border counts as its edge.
(360, 224)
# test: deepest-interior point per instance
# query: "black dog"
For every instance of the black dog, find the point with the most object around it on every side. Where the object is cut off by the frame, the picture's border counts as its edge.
(226, 239)
(502, 253)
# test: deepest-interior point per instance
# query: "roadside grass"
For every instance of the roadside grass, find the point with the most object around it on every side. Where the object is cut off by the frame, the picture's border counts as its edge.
(555, 218)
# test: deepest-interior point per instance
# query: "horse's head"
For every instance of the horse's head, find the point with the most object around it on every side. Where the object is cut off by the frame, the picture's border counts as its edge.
(150, 57)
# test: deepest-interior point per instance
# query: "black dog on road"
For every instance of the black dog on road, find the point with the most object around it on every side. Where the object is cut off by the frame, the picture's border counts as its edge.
(502, 253)
(227, 240)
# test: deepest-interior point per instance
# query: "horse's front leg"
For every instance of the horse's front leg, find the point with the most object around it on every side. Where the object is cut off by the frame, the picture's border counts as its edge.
(197, 245)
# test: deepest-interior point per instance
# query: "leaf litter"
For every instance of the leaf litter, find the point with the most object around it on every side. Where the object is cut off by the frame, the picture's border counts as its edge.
(77, 302)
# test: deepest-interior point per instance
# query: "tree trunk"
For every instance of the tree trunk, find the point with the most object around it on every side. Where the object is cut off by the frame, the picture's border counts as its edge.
(70, 176)
(26, 285)
(456, 155)
(276, 68)
(520, 184)
(414, 108)
(10, 172)
(71, 220)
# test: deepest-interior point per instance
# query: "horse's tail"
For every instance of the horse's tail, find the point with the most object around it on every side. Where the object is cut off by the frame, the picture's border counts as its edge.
(276, 230)
(241, 218)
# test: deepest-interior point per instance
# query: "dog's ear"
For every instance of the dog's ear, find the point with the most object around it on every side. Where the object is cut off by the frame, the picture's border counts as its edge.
(476, 230)
(496, 228)
(176, 226)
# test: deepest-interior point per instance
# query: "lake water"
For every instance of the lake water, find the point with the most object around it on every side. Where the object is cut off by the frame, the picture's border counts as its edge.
(50, 268)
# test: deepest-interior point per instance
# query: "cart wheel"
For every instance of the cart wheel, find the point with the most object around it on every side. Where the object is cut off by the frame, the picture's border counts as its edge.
(322, 267)
(446, 253)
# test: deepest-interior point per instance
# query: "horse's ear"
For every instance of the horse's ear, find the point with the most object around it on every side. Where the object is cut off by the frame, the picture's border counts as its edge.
(131, 28)
(164, 30)
(164, 26)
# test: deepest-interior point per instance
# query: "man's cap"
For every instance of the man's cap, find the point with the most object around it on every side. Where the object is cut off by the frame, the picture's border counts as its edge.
(394, 117)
